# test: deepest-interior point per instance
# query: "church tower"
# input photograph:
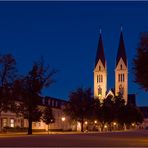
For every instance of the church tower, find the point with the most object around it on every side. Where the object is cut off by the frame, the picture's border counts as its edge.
(100, 72)
(121, 71)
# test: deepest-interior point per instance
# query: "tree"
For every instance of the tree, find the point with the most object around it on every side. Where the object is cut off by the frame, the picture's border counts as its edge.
(29, 89)
(47, 116)
(8, 74)
(107, 111)
(140, 62)
(79, 106)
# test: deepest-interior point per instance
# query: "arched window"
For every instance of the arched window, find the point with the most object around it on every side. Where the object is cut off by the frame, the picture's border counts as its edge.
(121, 90)
(123, 77)
(121, 66)
(119, 77)
(99, 91)
(101, 78)
(97, 78)
(99, 68)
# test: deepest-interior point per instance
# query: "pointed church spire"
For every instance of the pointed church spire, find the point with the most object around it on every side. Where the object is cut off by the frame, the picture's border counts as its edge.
(100, 51)
(121, 50)
(121, 28)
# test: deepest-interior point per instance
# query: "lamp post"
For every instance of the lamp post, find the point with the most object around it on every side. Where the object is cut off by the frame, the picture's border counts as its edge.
(63, 120)
(114, 125)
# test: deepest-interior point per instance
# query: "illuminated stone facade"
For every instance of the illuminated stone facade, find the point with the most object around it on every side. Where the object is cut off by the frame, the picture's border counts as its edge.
(121, 72)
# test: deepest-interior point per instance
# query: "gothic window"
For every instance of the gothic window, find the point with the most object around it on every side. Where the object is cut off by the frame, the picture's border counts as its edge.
(101, 78)
(121, 90)
(121, 66)
(123, 77)
(97, 79)
(119, 77)
(99, 68)
(99, 91)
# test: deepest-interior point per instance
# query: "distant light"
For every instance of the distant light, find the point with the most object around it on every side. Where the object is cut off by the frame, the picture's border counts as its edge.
(133, 124)
(86, 122)
(115, 123)
(105, 126)
(63, 118)
(100, 95)
(95, 121)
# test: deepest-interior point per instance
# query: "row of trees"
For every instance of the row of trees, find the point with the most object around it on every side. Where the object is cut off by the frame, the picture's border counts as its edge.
(22, 93)
(83, 107)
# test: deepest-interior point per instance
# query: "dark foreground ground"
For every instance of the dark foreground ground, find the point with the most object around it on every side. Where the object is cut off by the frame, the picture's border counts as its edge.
(112, 139)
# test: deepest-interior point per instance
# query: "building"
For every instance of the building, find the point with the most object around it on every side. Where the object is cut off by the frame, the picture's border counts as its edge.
(121, 71)
(62, 122)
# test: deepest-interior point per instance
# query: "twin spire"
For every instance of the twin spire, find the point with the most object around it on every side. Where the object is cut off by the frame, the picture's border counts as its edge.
(121, 51)
(120, 54)
(100, 51)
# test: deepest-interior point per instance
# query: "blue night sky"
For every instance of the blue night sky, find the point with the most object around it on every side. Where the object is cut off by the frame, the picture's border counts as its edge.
(66, 35)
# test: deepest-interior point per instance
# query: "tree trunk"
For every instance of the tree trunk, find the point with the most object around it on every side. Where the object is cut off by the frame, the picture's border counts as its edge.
(82, 122)
(102, 126)
(30, 126)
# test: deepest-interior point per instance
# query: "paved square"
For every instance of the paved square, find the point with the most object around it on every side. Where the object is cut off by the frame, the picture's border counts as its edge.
(114, 139)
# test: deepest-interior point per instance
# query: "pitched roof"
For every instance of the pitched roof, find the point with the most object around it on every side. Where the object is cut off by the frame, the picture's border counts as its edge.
(121, 51)
(100, 52)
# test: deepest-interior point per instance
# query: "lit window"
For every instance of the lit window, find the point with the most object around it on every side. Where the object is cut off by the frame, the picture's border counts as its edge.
(11, 122)
(99, 91)
(4, 122)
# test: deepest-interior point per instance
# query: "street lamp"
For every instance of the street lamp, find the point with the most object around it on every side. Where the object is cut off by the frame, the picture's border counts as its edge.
(86, 122)
(115, 123)
(63, 119)
(95, 121)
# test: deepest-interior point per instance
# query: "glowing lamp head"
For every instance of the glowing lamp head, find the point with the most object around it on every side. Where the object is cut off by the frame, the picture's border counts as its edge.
(115, 123)
(86, 122)
(63, 118)
(95, 121)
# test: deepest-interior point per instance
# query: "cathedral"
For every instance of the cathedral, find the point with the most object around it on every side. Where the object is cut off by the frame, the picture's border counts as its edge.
(121, 72)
